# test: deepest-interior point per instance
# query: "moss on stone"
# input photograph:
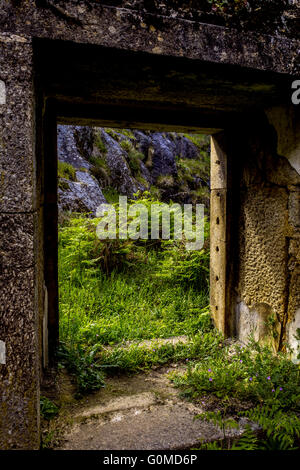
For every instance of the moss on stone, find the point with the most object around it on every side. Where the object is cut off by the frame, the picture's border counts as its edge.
(67, 171)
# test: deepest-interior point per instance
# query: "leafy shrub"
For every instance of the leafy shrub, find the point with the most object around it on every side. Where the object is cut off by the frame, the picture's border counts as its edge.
(267, 383)
(188, 267)
(109, 293)
(126, 145)
(281, 429)
(127, 133)
(278, 430)
(134, 156)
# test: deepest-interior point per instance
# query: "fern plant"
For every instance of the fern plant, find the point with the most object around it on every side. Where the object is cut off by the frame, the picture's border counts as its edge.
(278, 430)
(281, 428)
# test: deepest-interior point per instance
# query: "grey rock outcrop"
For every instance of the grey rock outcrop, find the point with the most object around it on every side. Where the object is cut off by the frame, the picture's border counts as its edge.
(68, 148)
(119, 170)
(125, 162)
(82, 195)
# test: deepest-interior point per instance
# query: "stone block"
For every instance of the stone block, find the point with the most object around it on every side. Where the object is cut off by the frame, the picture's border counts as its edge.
(19, 376)
(17, 126)
(17, 244)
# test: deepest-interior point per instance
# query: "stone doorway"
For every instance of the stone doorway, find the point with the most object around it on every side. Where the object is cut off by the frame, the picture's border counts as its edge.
(255, 164)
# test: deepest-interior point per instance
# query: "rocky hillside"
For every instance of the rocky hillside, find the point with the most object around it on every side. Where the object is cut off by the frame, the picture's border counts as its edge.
(96, 165)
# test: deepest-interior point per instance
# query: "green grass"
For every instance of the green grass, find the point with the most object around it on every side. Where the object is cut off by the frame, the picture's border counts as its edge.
(137, 357)
(100, 144)
(67, 171)
(48, 409)
(116, 291)
(111, 194)
(133, 304)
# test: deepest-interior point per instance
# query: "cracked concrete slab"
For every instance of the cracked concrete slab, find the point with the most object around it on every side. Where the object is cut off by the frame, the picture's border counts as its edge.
(143, 412)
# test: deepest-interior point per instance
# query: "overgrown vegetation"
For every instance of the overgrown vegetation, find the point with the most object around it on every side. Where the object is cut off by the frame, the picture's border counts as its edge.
(117, 294)
(251, 377)
(67, 171)
(113, 291)
(134, 156)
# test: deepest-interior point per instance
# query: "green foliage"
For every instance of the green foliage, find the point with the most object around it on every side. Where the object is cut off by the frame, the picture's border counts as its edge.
(185, 267)
(143, 181)
(48, 409)
(111, 195)
(281, 428)
(126, 145)
(110, 293)
(134, 156)
(98, 161)
(100, 144)
(218, 418)
(278, 430)
(127, 133)
(271, 326)
(82, 363)
(254, 375)
(139, 357)
(251, 373)
(112, 133)
(155, 193)
(100, 170)
(63, 185)
(67, 171)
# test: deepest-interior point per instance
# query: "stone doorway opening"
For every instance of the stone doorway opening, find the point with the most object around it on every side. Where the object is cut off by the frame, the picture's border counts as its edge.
(132, 170)
(125, 109)
(187, 181)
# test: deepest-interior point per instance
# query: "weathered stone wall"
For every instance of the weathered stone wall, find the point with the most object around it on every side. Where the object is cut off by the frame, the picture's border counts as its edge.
(155, 27)
(267, 282)
(20, 284)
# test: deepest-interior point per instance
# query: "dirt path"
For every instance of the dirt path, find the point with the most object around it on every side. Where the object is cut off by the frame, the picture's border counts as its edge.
(135, 412)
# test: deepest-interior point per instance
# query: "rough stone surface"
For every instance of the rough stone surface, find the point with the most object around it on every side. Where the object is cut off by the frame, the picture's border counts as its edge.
(141, 29)
(263, 262)
(82, 195)
(67, 147)
(293, 336)
(17, 240)
(17, 163)
(149, 157)
(268, 265)
(19, 389)
(143, 412)
(119, 169)
(2, 92)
